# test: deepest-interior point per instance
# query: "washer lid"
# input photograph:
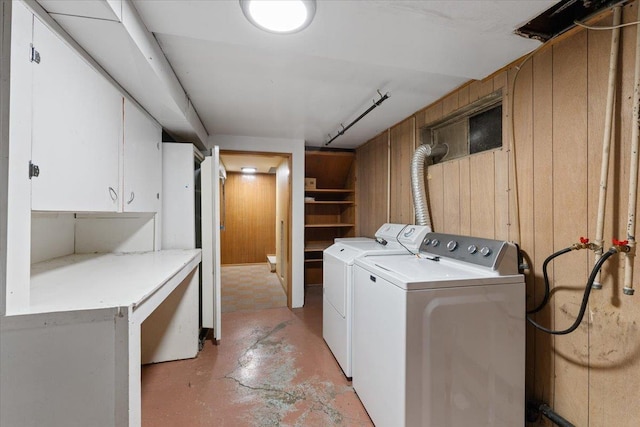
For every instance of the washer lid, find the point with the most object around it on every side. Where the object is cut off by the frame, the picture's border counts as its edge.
(412, 273)
(375, 248)
(341, 252)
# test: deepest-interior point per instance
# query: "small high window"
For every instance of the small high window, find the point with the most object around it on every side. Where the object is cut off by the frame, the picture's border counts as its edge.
(472, 130)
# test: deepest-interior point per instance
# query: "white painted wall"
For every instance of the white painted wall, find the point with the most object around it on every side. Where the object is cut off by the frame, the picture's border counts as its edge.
(52, 235)
(295, 147)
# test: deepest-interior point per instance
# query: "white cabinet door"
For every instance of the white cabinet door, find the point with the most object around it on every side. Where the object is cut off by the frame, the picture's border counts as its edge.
(77, 128)
(142, 161)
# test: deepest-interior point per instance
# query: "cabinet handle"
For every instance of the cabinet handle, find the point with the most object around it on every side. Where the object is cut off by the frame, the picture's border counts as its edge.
(133, 196)
(113, 194)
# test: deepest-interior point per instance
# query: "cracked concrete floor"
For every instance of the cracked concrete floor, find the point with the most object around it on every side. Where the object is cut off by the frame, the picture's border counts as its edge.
(272, 368)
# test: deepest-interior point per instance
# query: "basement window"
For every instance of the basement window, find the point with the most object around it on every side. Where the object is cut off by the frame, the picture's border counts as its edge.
(474, 129)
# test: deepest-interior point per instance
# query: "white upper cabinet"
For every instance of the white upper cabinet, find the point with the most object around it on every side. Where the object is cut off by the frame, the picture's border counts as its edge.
(77, 131)
(142, 160)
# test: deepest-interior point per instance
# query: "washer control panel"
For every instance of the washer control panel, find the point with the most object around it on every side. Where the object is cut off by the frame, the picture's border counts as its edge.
(475, 250)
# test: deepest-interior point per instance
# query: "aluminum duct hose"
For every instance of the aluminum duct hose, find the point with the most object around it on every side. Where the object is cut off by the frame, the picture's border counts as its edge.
(418, 186)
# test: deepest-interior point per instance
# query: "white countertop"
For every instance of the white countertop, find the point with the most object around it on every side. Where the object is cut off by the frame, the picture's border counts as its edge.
(92, 281)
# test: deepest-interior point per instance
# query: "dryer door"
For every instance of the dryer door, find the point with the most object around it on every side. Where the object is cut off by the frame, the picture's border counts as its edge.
(336, 280)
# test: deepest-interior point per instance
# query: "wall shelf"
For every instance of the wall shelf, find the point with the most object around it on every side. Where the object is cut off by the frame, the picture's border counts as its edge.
(330, 191)
(317, 246)
(330, 211)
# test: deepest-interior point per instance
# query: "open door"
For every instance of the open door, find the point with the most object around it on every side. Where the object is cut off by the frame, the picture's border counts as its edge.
(211, 281)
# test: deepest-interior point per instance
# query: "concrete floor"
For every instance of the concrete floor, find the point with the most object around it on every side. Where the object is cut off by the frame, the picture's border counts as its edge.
(272, 368)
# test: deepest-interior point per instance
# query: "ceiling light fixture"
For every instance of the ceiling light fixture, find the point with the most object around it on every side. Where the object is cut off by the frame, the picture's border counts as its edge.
(248, 170)
(279, 16)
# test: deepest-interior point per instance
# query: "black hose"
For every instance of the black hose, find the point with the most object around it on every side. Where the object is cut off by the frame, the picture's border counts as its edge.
(545, 300)
(554, 416)
(585, 298)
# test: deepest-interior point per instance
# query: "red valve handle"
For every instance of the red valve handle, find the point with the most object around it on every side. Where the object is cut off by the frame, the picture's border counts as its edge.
(584, 240)
(617, 242)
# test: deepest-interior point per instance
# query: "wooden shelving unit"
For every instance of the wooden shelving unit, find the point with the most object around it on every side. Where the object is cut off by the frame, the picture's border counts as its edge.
(329, 208)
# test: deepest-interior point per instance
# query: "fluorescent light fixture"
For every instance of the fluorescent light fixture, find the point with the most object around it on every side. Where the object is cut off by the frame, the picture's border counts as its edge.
(279, 16)
(248, 170)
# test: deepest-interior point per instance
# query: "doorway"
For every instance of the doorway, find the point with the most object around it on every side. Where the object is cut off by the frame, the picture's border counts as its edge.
(255, 224)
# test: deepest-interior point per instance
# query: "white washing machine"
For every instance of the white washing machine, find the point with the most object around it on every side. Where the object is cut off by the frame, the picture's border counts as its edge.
(338, 281)
(439, 340)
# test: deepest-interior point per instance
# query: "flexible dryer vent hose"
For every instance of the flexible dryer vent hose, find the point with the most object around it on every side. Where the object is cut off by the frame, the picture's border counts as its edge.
(418, 186)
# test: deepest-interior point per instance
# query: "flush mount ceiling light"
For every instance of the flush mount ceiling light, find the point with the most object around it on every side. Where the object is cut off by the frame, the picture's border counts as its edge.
(248, 170)
(279, 16)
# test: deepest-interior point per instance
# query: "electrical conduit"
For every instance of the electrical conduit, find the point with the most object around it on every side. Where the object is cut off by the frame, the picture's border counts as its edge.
(606, 142)
(633, 174)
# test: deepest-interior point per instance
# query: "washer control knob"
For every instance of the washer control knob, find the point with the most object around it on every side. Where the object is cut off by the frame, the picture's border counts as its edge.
(435, 242)
(426, 241)
(472, 249)
(485, 251)
(452, 245)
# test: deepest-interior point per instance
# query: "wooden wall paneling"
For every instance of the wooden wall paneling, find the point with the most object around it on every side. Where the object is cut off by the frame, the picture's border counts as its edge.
(614, 382)
(482, 177)
(463, 96)
(523, 167)
(451, 202)
(524, 178)
(465, 197)
(599, 43)
(542, 208)
(502, 81)
(372, 174)
(435, 186)
(428, 115)
(364, 188)
(502, 223)
(419, 122)
(400, 151)
(249, 234)
(570, 222)
(450, 104)
(480, 88)
(624, 385)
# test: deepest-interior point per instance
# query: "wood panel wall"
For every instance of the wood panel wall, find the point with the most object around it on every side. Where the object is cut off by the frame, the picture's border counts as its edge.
(401, 148)
(372, 172)
(592, 376)
(250, 204)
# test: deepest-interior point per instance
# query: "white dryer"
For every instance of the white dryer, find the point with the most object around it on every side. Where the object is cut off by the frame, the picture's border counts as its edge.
(337, 281)
(439, 339)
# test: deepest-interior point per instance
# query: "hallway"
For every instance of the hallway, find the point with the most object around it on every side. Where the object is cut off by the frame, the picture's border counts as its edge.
(272, 368)
(250, 287)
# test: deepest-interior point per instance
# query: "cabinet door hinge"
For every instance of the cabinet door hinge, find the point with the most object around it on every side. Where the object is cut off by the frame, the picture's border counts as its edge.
(34, 170)
(34, 55)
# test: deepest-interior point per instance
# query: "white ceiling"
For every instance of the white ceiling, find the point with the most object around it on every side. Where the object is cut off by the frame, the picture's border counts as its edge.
(241, 80)
(234, 162)
(244, 81)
